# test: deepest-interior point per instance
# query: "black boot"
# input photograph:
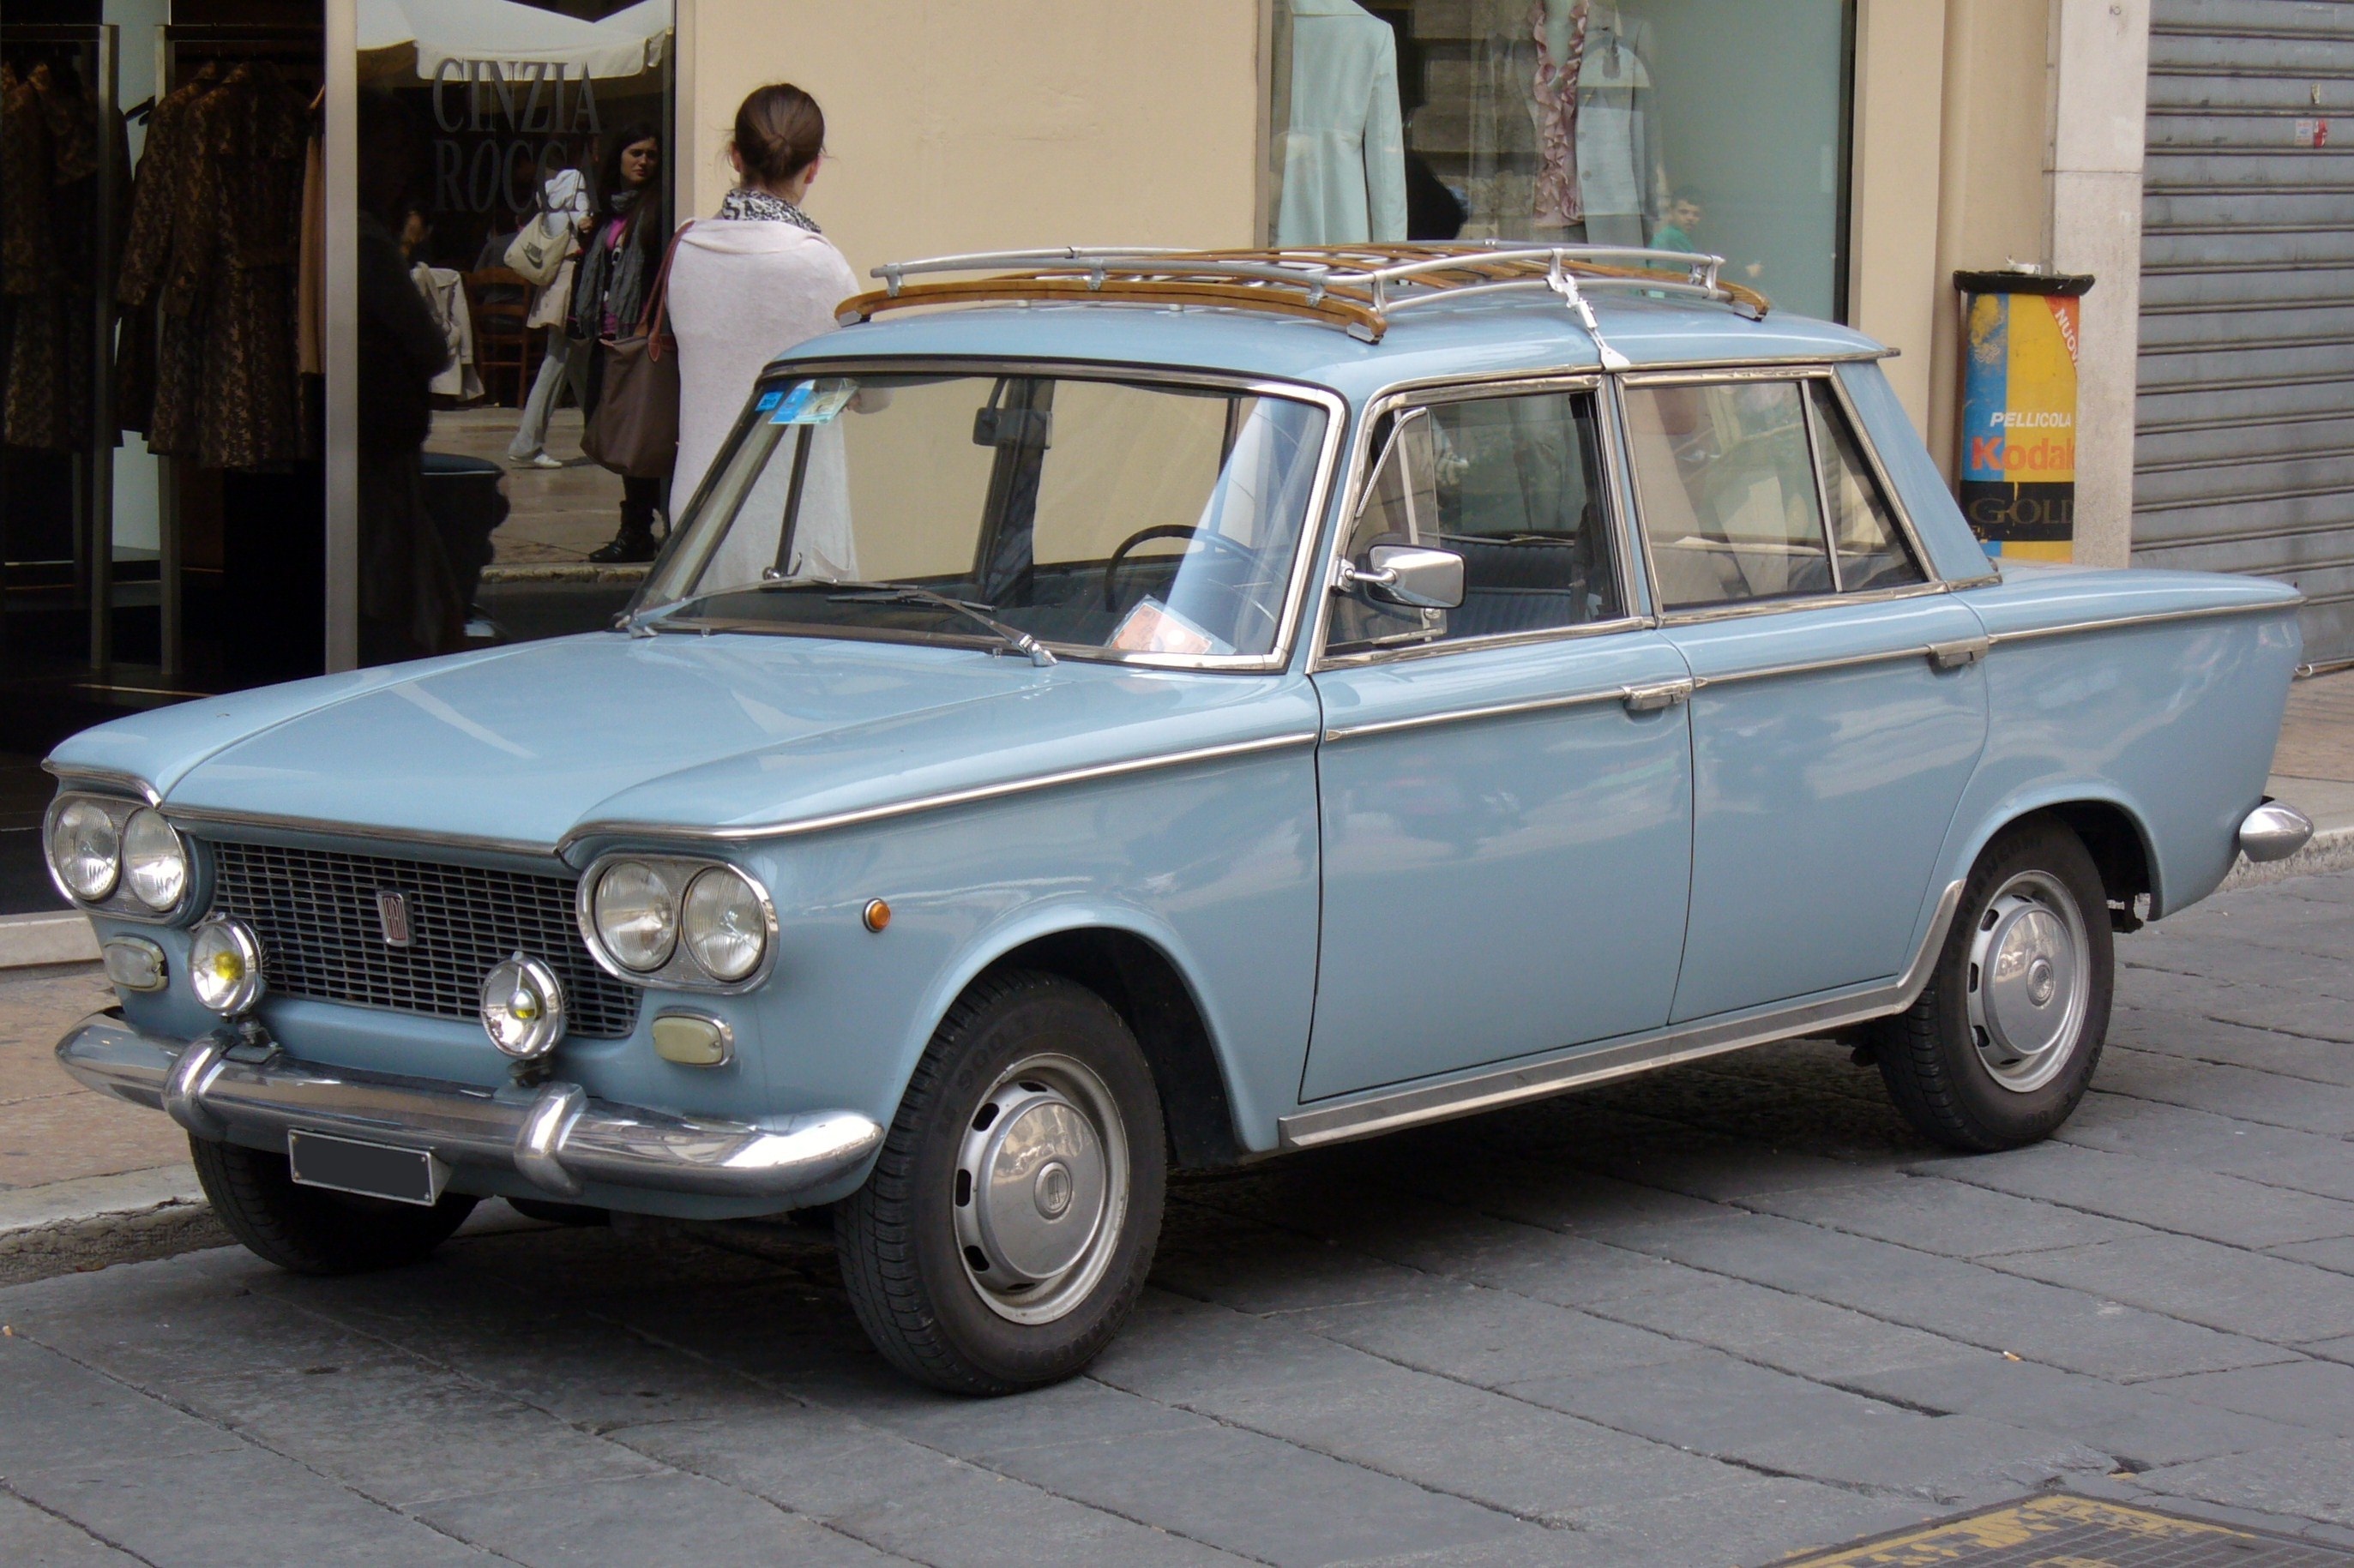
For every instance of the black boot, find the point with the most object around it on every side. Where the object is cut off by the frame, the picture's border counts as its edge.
(633, 543)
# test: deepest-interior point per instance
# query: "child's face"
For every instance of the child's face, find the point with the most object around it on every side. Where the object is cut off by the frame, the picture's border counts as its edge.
(1684, 214)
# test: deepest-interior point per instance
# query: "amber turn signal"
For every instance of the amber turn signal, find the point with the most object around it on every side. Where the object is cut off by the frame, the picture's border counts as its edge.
(877, 914)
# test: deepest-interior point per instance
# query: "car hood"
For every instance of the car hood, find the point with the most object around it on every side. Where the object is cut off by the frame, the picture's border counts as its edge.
(527, 746)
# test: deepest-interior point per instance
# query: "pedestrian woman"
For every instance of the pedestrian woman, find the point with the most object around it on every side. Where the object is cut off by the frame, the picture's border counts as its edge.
(748, 285)
(623, 242)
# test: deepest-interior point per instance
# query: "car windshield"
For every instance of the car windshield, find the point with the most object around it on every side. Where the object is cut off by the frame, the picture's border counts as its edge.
(1097, 517)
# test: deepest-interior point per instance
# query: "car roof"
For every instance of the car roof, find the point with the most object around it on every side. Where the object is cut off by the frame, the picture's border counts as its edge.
(1494, 335)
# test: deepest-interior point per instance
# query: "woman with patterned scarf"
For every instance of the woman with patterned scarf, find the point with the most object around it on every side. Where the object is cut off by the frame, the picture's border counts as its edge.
(745, 287)
(623, 242)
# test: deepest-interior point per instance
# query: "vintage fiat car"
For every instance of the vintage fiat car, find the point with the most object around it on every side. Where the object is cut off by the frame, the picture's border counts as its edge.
(1114, 712)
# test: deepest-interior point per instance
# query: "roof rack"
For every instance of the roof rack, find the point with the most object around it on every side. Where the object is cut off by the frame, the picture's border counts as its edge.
(1357, 287)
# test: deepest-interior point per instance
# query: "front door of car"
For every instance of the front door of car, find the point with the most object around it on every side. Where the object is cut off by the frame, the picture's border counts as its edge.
(1838, 709)
(1506, 784)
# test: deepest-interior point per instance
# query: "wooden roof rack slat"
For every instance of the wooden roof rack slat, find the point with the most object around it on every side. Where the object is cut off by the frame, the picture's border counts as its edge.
(1355, 287)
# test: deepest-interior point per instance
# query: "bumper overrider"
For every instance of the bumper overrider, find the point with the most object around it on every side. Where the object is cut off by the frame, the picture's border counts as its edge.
(554, 1135)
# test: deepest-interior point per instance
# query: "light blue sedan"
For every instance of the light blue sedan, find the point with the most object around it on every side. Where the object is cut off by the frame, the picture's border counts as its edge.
(1123, 711)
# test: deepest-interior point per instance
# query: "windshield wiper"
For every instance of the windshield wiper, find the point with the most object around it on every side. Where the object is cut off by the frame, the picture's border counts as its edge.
(1013, 638)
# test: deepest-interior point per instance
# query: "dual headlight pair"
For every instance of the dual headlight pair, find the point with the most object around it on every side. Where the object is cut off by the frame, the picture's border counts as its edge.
(687, 922)
(100, 848)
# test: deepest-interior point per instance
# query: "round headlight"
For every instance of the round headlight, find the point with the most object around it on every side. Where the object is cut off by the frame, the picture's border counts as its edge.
(726, 924)
(224, 967)
(85, 849)
(636, 911)
(522, 1007)
(154, 859)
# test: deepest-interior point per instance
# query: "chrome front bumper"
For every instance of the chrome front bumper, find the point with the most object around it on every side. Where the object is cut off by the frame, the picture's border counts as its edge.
(2273, 832)
(554, 1135)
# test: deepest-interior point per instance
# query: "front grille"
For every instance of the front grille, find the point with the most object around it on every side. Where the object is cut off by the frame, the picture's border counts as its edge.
(322, 937)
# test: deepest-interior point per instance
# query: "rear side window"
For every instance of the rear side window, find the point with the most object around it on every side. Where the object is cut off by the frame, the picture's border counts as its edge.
(1748, 487)
(1871, 553)
(1513, 485)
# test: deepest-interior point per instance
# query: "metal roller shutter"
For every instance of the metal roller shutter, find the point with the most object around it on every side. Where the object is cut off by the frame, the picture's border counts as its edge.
(2244, 458)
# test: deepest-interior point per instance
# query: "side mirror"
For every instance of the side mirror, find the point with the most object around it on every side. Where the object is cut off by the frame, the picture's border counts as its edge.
(1409, 575)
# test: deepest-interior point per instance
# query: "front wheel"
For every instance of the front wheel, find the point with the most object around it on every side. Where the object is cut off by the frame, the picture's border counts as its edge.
(1011, 1218)
(2001, 1045)
(309, 1230)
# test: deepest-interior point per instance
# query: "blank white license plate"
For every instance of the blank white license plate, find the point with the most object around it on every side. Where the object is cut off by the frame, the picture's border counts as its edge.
(371, 1170)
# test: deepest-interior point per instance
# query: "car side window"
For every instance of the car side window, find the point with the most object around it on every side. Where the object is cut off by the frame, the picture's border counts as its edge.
(1513, 485)
(1727, 482)
(1871, 553)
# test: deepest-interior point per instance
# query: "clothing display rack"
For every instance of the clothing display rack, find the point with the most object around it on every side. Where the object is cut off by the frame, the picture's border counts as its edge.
(1357, 287)
(299, 54)
(93, 463)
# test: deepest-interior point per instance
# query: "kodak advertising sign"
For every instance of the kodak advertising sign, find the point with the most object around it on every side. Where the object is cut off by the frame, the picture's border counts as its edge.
(2019, 411)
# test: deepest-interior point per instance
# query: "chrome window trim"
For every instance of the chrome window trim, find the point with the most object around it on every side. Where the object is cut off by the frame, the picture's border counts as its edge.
(1889, 494)
(1739, 609)
(101, 782)
(679, 971)
(1474, 387)
(616, 828)
(121, 903)
(1336, 419)
(1579, 1067)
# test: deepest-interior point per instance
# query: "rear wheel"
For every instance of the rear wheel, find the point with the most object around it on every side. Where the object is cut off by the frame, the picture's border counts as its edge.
(2002, 1043)
(1011, 1218)
(309, 1230)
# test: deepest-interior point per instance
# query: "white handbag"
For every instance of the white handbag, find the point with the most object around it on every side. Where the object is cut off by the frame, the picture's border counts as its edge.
(537, 251)
(551, 304)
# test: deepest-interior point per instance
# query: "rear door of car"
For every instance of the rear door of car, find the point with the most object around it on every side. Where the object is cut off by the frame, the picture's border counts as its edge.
(1505, 787)
(1838, 709)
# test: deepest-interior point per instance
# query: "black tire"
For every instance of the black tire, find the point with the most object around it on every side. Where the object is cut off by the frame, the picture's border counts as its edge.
(1967, 1086)
(916, 1276)
(308, 1230)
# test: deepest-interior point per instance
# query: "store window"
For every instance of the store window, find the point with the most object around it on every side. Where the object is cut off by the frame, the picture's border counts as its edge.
(515, 171)
(1707, 125)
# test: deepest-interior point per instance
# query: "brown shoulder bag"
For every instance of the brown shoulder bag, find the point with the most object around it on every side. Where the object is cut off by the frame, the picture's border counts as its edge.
(634, 430)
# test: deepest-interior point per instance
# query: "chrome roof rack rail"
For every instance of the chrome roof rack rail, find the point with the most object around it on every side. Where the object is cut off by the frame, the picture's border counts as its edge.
(1357, 287)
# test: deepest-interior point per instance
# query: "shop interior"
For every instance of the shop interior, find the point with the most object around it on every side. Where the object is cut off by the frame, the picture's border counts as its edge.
(163, 515)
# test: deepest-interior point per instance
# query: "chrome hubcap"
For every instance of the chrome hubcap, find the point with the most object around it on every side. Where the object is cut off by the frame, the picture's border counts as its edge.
(1041, 1189)
(2029, 980)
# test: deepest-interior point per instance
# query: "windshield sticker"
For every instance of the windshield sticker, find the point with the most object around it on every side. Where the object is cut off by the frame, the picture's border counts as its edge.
(768, 400)
(1153, 628)
(813, 402)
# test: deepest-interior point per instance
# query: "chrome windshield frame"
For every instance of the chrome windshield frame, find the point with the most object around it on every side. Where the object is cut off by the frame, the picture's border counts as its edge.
(1334, 407)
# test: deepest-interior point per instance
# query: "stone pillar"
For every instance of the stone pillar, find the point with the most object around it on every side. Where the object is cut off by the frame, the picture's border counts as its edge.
(2100, 76)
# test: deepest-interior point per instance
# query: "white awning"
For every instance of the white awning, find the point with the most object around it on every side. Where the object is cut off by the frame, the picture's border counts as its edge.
(624, 44)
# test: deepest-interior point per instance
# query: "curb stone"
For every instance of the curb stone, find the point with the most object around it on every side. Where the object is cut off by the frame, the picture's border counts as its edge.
(65, 936)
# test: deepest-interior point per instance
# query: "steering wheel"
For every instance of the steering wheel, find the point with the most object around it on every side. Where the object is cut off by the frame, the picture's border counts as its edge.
(1162, 531)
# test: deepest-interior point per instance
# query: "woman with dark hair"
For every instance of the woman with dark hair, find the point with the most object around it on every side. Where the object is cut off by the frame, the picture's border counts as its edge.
(745, 286)
(622, 241)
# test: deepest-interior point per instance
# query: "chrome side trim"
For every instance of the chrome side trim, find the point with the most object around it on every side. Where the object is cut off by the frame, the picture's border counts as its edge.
(321, 827)
(1389, 1110)
(2147, 618)
(106, 781)
(1466, 715)
(1942, 655)
(557, 1137)
(614, 828)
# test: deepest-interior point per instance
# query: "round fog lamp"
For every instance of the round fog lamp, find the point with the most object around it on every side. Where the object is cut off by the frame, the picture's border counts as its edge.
(636, 911)
(726, 924)
(154, 859)
(523, 1007)
(224, 967)
(85, 850)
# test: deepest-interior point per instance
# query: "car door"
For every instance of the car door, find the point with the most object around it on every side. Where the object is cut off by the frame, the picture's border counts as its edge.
(1838, 708)
(1505, 786)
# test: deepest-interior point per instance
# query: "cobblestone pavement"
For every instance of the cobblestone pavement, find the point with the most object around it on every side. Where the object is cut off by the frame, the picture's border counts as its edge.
(1707, 1318)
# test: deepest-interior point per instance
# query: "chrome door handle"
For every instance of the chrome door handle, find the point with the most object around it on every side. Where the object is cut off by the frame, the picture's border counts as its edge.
(1959, 654)
(1651, 699)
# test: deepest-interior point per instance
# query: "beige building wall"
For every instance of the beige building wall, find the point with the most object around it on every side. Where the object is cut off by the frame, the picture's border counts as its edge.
(1994, 191)
(960, 127)
(1892, 221)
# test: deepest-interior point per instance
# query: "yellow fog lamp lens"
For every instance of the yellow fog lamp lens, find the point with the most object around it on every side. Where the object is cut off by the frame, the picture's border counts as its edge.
(523, 1007)
(726, 924)
(154, 862)
(85, 849)
(224, 967)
